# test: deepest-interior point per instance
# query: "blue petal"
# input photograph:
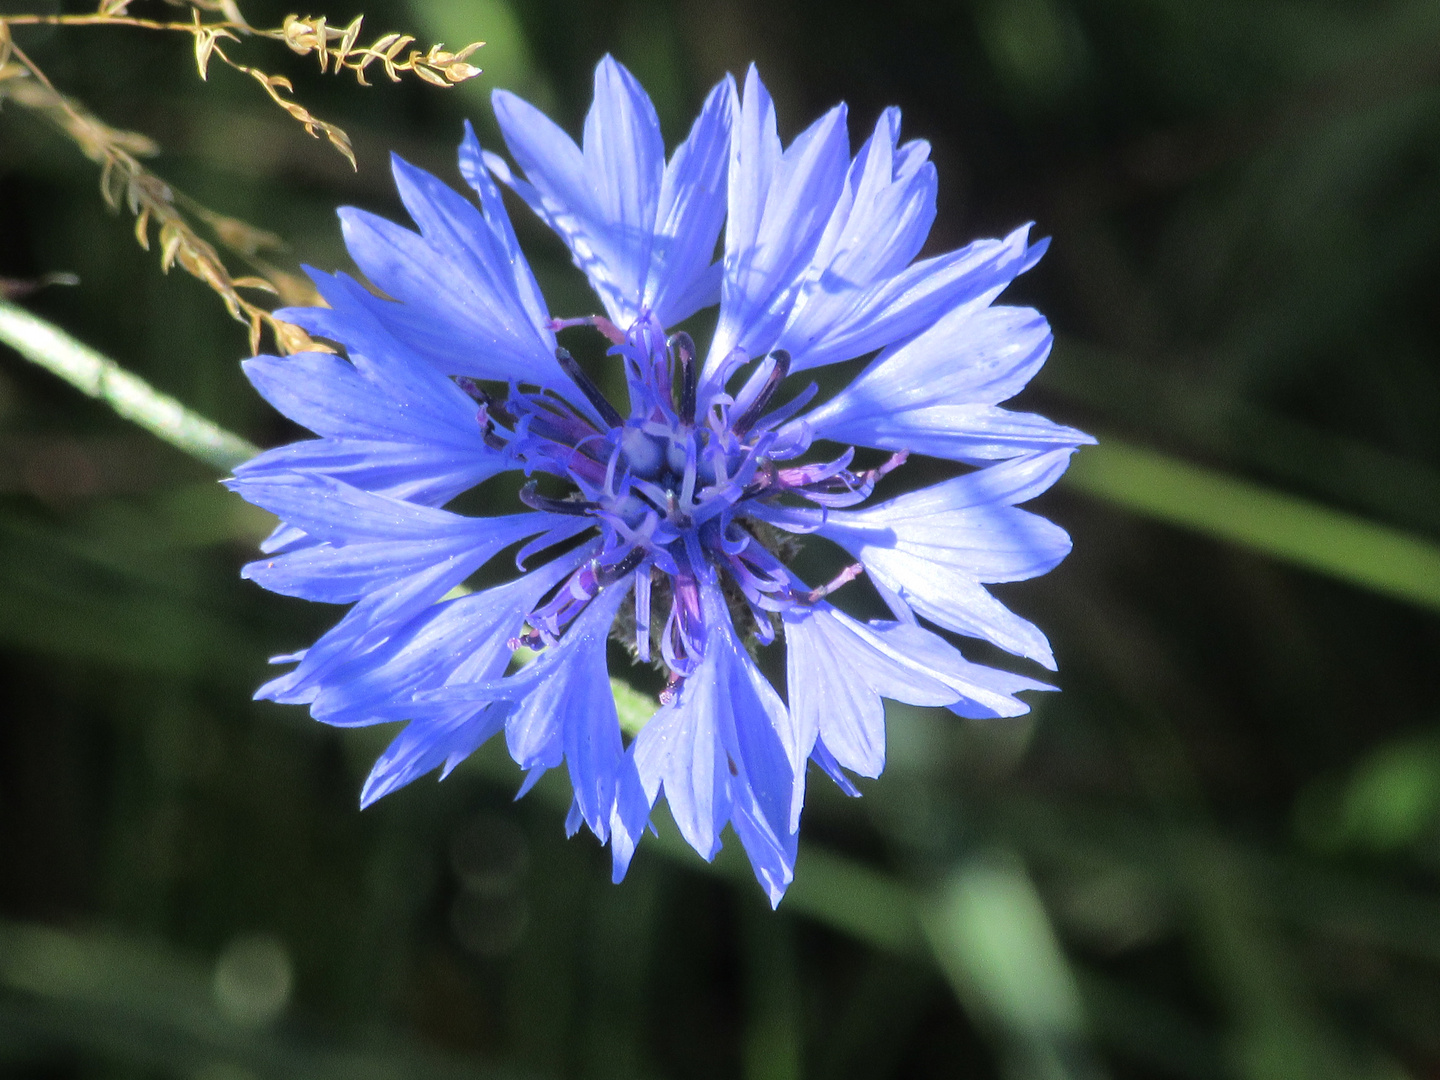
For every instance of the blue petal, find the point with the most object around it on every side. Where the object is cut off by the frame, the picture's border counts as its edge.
(396, 559)
(936, 393)
(377, 397)
(428, 473)
(602, 200)
(459, 641)
(458, 297)
(422, 748)
(492, 205)
(771, 852)
(391, 422)
(631, 816)
(376, 616)
(725, 749)
(830, 767)
(568, 710)
(934, 547)
(682, 277)
(339, 513)
(779, 205)
(843, 320)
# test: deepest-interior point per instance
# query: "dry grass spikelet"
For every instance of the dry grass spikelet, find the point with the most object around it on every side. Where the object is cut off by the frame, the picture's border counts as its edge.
(126, 184)
(337, 51)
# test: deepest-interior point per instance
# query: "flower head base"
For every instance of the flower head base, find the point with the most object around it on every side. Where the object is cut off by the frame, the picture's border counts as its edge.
(665, 507)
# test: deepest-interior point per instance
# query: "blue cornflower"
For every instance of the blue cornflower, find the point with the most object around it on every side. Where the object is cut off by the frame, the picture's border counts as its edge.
(665, 519)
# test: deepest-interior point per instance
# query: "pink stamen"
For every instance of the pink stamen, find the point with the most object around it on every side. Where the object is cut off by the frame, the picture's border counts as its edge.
(849, 574)
(612, 333)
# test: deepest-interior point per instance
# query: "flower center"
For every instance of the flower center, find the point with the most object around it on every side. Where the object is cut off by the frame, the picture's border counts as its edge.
(668, 489)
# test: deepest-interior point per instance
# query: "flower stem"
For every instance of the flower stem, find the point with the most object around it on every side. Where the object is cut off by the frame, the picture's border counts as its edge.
(129, 395)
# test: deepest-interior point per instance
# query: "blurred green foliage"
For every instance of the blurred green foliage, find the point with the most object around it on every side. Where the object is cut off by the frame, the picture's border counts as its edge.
(1214, 854)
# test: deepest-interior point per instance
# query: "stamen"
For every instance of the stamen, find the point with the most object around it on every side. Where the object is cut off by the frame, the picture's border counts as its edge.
(485, 398)
(576, 507)
(613, 333)
(673, 685)
(608, 575)
(487, 432)
(684, 349)
(642, 615)
(789, 409)
(589, 389)
(893, 462)
(849, 574)
(780, 360)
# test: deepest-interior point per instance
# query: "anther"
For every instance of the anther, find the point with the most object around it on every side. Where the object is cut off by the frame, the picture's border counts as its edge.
(849, 574)
(487, 432)
(781, 360)
(889, 465)
(612, 333)
(608, 575)
(589, 389)
(684, 348)
(528, 638)
(673, 685)
(492, 407)
(575, 507)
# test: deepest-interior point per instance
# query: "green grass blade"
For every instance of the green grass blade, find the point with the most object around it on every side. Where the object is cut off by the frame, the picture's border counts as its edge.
(1284, 527)
(129, 395)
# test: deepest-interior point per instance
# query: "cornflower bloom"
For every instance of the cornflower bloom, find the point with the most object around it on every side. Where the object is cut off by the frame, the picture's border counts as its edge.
(665, 520)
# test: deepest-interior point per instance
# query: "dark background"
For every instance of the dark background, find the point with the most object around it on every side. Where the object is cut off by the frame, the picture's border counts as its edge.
(1214, 854)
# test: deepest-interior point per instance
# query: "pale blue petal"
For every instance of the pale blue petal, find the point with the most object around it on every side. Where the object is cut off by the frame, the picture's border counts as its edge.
(764, 746)
(601, 200)
(725, 749)
(568, 709)
(882, 219)
(936, 393)
(975, 434)
(679, 752)
(682, 278)
(877, 227)
(933, 548)
(845, 321)
(975, 352)
(836, 674)
(422, 748)
(838, 669)
(459, 641)
(448, 303)
(779, 205)
(625, 160)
